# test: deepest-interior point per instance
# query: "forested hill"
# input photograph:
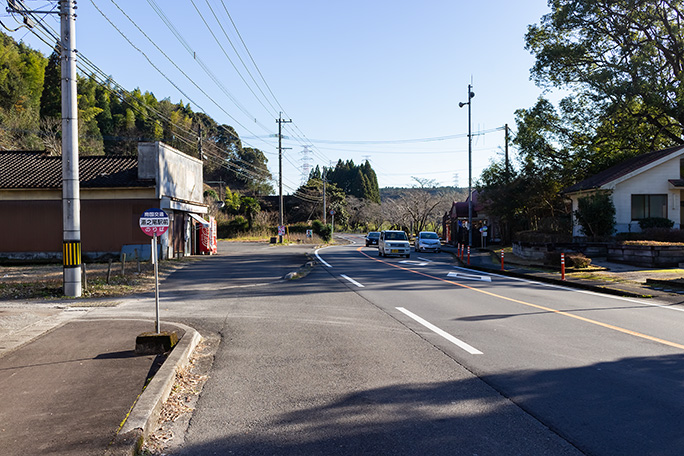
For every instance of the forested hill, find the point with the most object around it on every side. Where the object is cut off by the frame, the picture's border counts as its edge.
(113, 120)
(453, 193)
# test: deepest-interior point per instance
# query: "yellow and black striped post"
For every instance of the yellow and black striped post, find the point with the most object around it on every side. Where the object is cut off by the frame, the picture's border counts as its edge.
(71, 254)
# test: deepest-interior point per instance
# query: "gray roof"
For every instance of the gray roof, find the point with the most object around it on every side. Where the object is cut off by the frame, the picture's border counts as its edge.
(35, 170)
(621, 169)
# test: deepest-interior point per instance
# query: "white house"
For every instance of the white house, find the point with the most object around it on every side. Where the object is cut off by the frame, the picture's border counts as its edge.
(649, 185)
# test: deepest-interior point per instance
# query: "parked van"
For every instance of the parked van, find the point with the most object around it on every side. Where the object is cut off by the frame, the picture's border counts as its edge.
(394, 243)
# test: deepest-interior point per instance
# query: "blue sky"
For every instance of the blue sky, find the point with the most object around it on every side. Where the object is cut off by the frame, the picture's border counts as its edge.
(378, 80)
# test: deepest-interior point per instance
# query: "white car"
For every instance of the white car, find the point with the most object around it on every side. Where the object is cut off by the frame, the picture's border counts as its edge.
(394, 243)
(428, 241)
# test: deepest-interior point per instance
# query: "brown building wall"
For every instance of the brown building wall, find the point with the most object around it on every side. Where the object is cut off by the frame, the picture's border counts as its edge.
(106, 225)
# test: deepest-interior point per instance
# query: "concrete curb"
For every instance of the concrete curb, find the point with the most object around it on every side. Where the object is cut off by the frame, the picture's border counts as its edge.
(564, 283)
(541, 278)
(145, 413)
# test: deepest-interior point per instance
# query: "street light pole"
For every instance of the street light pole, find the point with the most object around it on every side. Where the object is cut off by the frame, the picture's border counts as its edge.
(471, 94)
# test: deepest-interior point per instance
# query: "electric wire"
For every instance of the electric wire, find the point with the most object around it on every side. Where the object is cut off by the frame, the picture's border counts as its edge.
(162, 73)
(94, 69)
(274, 110)
(201, 63)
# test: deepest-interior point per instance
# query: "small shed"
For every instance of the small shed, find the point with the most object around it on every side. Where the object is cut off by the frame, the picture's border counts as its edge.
(114, 192)
(455, 222)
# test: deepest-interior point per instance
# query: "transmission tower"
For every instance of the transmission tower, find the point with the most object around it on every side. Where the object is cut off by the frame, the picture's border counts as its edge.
(306, 163)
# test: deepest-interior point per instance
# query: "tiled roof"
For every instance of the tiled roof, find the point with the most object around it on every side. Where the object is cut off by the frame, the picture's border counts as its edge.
(35, 170)
(608, 175)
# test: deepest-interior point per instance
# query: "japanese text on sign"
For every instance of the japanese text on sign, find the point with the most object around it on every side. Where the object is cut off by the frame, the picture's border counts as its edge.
(154, 222)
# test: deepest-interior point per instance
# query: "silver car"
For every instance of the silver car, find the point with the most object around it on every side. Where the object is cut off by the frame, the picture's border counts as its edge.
(394, 243)
(428, 241)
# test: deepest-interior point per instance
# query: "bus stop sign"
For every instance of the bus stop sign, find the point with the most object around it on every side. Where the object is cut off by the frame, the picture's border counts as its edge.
(154, 222)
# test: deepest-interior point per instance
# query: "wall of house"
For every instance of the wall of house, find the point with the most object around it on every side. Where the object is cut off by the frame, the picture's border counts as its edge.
(651, 181)
(34, 231)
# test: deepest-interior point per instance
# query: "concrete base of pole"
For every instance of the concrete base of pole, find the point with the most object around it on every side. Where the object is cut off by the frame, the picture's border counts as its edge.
(155, 343)
(72, 282)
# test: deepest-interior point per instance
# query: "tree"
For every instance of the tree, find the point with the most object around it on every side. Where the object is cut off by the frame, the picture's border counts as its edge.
(249, 207)
(596, 214)
(359, 181)
(363, 213)
(22, 72)
(251, 169)
(311, 202)
(414, 210)
(626, 56)
(51, 97)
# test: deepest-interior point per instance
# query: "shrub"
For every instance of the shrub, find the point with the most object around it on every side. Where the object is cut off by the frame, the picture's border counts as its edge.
(653, 234)
(596, 214)
(655, 222)
(230, 229)
(323, 231)
(572, 259)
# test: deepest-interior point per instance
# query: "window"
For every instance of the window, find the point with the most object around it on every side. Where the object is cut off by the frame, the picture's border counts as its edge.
(647, 206)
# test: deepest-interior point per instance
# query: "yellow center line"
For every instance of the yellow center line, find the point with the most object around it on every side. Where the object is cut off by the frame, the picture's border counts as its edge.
(536, 306)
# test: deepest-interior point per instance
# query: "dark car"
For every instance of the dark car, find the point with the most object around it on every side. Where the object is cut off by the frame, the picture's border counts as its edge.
(372, 238)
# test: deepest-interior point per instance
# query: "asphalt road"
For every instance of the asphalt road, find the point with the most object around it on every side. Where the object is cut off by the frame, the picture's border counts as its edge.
(370, 355)
(602, 372)
(312, 367)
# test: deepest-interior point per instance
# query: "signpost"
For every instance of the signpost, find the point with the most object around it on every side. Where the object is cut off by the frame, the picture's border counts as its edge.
(332, 226)
(155, 222)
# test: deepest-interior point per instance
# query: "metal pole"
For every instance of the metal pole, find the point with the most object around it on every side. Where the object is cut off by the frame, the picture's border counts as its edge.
(325, 216)
(280, 173)
(155, 261)
(280, 121)
(71, 205)
(506, 152)
(470, 173)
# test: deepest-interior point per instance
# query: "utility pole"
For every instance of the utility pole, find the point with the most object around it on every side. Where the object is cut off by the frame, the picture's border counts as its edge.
(506, 153)
(71, 203)
(199, 141)
(471, 94)
(325, 216)
(281, 121)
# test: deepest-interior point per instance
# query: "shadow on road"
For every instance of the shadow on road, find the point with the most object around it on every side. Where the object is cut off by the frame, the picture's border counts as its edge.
(597, 416)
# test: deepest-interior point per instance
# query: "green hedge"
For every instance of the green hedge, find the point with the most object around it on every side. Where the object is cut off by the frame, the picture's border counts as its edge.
(655, 222)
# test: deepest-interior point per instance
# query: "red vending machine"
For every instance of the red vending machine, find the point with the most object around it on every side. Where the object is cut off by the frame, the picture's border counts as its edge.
(208, 244)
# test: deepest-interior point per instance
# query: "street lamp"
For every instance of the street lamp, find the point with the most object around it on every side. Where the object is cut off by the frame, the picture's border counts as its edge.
(471, 94)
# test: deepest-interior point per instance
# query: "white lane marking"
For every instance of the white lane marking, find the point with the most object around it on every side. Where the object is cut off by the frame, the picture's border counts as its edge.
(469, 348)
(643, 301)
(415, 263)
(425, 259)
(459, 275)
(351, 280)
(321, 259)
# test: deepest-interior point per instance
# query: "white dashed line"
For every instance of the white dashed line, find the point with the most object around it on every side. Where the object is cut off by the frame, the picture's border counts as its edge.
(351, 280)
(469, 348)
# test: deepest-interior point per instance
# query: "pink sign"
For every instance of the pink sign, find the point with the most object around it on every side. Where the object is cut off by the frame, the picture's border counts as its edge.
(154, 222)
